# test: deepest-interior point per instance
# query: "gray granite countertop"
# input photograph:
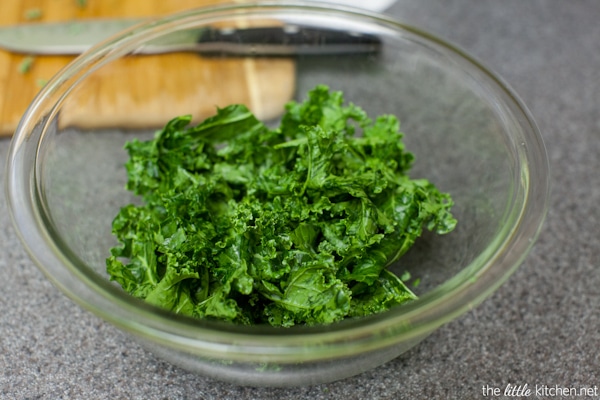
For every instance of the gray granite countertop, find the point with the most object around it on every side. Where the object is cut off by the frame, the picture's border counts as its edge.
(541, 328)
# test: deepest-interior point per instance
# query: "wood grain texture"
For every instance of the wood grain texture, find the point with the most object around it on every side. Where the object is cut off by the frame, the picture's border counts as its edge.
(139, 91)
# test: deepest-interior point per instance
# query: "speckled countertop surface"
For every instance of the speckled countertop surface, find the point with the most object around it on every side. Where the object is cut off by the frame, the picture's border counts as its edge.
(541, 328)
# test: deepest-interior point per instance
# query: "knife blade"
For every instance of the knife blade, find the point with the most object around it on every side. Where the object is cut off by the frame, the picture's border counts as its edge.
(75, 37)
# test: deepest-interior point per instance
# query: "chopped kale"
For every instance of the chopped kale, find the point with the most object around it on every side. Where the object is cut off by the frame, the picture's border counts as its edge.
(286, 226)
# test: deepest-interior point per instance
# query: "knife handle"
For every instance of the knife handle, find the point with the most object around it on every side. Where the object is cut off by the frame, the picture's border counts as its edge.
(287, 40)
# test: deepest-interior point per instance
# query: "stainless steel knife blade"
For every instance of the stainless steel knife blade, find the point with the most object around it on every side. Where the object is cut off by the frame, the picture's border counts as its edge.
(60, 38)
(72, 38)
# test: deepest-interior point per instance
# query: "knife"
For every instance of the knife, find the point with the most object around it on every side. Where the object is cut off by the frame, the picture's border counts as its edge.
(75, 37)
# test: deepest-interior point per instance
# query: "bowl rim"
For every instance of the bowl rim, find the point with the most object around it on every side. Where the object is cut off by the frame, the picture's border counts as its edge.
(477, 281)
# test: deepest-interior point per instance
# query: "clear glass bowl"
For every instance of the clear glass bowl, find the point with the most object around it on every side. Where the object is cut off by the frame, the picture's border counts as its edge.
(470, 133)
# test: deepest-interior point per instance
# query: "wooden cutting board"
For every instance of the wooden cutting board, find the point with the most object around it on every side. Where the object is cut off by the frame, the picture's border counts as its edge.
(137, 93)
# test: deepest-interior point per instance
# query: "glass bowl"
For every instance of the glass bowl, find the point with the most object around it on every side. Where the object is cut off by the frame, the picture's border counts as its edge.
(470, 133)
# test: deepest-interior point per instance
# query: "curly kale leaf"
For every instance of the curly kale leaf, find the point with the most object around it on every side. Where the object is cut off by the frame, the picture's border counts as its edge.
(286, 226)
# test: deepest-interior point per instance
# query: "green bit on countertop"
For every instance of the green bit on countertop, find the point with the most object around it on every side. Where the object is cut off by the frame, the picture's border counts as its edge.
(26, 64)
(33, 14)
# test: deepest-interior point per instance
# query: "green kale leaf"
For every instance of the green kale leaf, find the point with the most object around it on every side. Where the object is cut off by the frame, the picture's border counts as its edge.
(286, 226)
